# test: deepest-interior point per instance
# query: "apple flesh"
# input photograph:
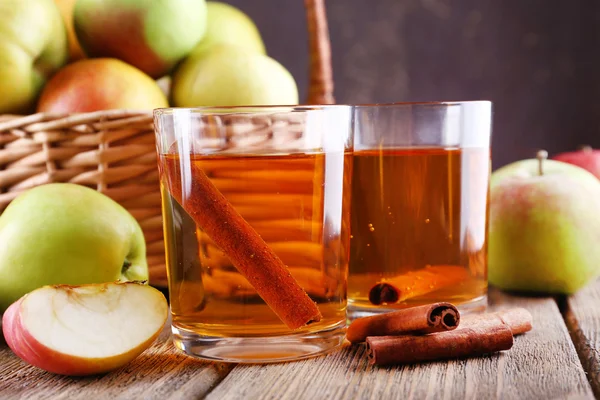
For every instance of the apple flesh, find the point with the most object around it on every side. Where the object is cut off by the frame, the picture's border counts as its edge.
(232, 76)
(100, 84)
(33, 46)
(148, 34)
(62, 233)
(586, 158)
(227, 24)
(544, 227)
(84, 330)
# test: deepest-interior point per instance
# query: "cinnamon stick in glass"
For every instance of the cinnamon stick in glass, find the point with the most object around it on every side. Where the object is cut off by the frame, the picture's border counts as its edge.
(231, 284)
(437, 317)
(248, 252)
(462, 342)
(416, 283)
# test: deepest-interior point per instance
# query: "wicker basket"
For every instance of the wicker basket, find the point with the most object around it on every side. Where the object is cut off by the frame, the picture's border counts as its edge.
(114, 151)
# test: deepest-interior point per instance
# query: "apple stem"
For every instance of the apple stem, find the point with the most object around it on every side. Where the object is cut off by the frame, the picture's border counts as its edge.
(541, 156)
(586, 148)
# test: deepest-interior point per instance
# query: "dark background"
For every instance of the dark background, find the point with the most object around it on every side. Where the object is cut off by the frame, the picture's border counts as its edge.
(537, 60)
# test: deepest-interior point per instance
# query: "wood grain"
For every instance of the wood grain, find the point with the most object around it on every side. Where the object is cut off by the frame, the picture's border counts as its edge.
(161, 372)
(582, 315)
(542, 364)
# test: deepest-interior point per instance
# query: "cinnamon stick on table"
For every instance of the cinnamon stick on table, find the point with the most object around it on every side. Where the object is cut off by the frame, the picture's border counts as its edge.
(482, 334)
(462, 342)
(429, 318)
(517, 319)
(248, 252)
(416, 283)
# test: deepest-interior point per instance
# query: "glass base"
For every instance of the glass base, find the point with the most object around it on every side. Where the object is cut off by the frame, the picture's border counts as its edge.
(477, 305)
(253, 350)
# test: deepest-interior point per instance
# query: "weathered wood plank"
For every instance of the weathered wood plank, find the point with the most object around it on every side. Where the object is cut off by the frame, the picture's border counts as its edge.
(161, 372)
(542, 364)
(582, 314)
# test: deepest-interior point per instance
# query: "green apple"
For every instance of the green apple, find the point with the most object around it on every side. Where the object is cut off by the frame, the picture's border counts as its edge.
(63, 233)
(544, 227)
(152, 35)
(229, 25)
(230, 75)
(33, 45)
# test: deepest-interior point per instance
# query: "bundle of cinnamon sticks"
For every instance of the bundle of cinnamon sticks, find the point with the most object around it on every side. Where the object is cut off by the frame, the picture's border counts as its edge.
(436, 332)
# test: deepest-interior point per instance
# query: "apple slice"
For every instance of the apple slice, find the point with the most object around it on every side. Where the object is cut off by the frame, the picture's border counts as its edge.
(87, 329)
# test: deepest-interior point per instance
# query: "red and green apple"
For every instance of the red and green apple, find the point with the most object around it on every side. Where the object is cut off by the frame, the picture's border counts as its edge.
(148, 34)
(544, 227)
(100, 84)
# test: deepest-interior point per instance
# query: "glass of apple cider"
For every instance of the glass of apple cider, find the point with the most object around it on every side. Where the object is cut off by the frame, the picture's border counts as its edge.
(419, 206)
(256, 208)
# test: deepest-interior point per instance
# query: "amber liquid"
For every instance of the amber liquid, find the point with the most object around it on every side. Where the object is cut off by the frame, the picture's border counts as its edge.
(299, 204)
(415, 208)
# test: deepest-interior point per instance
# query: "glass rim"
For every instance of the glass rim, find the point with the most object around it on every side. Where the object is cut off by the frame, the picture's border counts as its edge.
(248, 109)
(424, 104)
(311, 107)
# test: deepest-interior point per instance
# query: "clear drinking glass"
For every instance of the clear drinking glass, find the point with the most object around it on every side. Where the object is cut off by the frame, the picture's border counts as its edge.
(420, 196)
(286, 171)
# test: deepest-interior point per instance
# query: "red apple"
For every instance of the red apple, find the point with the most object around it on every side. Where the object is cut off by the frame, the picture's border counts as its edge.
(100, 84)
(87, 329)
(586, 158)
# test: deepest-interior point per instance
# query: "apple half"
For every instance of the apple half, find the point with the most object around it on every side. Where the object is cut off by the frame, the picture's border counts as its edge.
(87, 329)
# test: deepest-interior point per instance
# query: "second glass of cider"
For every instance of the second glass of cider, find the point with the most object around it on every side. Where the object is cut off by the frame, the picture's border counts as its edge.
(420, 192)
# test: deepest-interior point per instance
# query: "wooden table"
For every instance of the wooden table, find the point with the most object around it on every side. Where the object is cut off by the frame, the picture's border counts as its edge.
(560, 358)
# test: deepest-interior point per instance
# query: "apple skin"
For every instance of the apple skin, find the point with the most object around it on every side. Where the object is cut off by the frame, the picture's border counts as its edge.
(543, 230)
(100, 84)
(227, 24)
(63, 233)
(33, 46)
(232, 76)
(31, 350)
(148, 34)
(586, 158)
(27, 348)
(66, 8)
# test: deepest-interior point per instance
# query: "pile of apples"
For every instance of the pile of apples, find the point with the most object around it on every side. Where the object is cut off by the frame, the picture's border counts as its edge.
(72, 261)
(72, 56)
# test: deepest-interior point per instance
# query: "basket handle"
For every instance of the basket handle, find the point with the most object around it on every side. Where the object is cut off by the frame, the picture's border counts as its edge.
(320, 89)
